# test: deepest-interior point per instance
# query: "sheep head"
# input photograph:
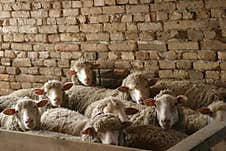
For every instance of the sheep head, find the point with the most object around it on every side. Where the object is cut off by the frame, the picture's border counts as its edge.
(107, 128)
(137, 85)
(166, 106)
(216, 110)
(53, 90)
(27, 113)
(84, 72)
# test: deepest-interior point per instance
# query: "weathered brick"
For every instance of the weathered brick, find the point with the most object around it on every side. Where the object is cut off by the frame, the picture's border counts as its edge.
(71, 29)
(149, 26)
(223, 65)
(66, 4)
(175, 15)
(131, 27)
(76, 4)
(182, 64)
(18, 37)
(97, 36)
(212, 75)
(2, 69)
(115, 27)
(4, 85)
(137, 8)
(39, 13)
(67, 47)
(113, 55)
(213, 45)
(94, 47)
(56, 5)
(110, 2)
(91, 27)
(72, 37)
(180, 74)
(151, 65)
(10, 54)
(4, 77)
(207, 55)
(10, 29)
(70, 12)
(65, 55)
(127, 55)
(196, 75)
(54, 13)
(113, 9)
(182, 5)
(117, 36)
(154, 55)
(215, 4)
(202, 66)
(12, 70)
(21, 46)
(50, 62)
(99, 19)
(209, 34)
(51, 71)
(190, 56)
(126, 18)
(15, 85)
(167, 65)
(143, 36)
(166, 74)
(4, 14)
(161, 15)
(122, 1)
(131, 36)
(63, 63)
(22, 14)
(163, 6)
(142, 56)
(67, 21)
(153, 45)
(223, 75)
(47, 29)
(170, 55)
(91, 11)
(53, 38)
(22, 62)
(183, 45)
(28, 29)
(21, 6)
(185, 24)
(122, 46)
(122, 64)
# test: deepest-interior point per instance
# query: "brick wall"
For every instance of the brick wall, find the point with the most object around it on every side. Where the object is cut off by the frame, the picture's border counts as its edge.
(39, 39)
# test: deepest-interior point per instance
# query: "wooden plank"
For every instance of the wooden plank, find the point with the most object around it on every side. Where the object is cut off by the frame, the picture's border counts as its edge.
(19, 141)
(203, 139)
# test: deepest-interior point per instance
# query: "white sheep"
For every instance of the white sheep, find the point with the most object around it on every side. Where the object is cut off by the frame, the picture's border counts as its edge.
(215, 111)
(167, 113)
(82, 71)
(137, 86)
(52, 89)
(24, 116)
(199, 94)
(103, 127)
(109, 105)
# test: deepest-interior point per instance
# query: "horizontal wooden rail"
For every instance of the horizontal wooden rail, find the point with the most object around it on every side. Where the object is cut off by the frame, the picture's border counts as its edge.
(203, 139)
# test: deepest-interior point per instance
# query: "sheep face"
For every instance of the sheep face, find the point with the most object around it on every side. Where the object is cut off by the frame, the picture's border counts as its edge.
(117, 108)
(54, 91)
(216, 111)
(137, 91)
(166, 109)
(109, 137)
(27, 113)
(84, 72)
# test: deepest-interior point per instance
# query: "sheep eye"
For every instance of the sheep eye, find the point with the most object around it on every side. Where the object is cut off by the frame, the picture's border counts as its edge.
(16, 111)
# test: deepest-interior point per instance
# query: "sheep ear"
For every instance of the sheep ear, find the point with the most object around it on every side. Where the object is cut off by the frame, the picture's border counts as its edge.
(205, 111)
(89, 131)
(123, 89)
(39, 91)
(131, 111)
(67, 85)
(95, 66)
(9, 111)
(181, 99)
(71, 73)
(150, 102)
(152, 81)
(42, 102)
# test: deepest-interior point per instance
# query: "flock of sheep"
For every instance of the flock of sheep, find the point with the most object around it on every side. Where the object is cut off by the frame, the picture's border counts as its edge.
(142, 113)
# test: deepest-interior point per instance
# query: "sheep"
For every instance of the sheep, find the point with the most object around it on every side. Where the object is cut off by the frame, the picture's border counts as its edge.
(137, 85)
(83, 70)
(151, 137)
(102, 127)
(165, 111)
(109, 105)
(199, 94)
(23, 116)
(52, 89)
(215, 111)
